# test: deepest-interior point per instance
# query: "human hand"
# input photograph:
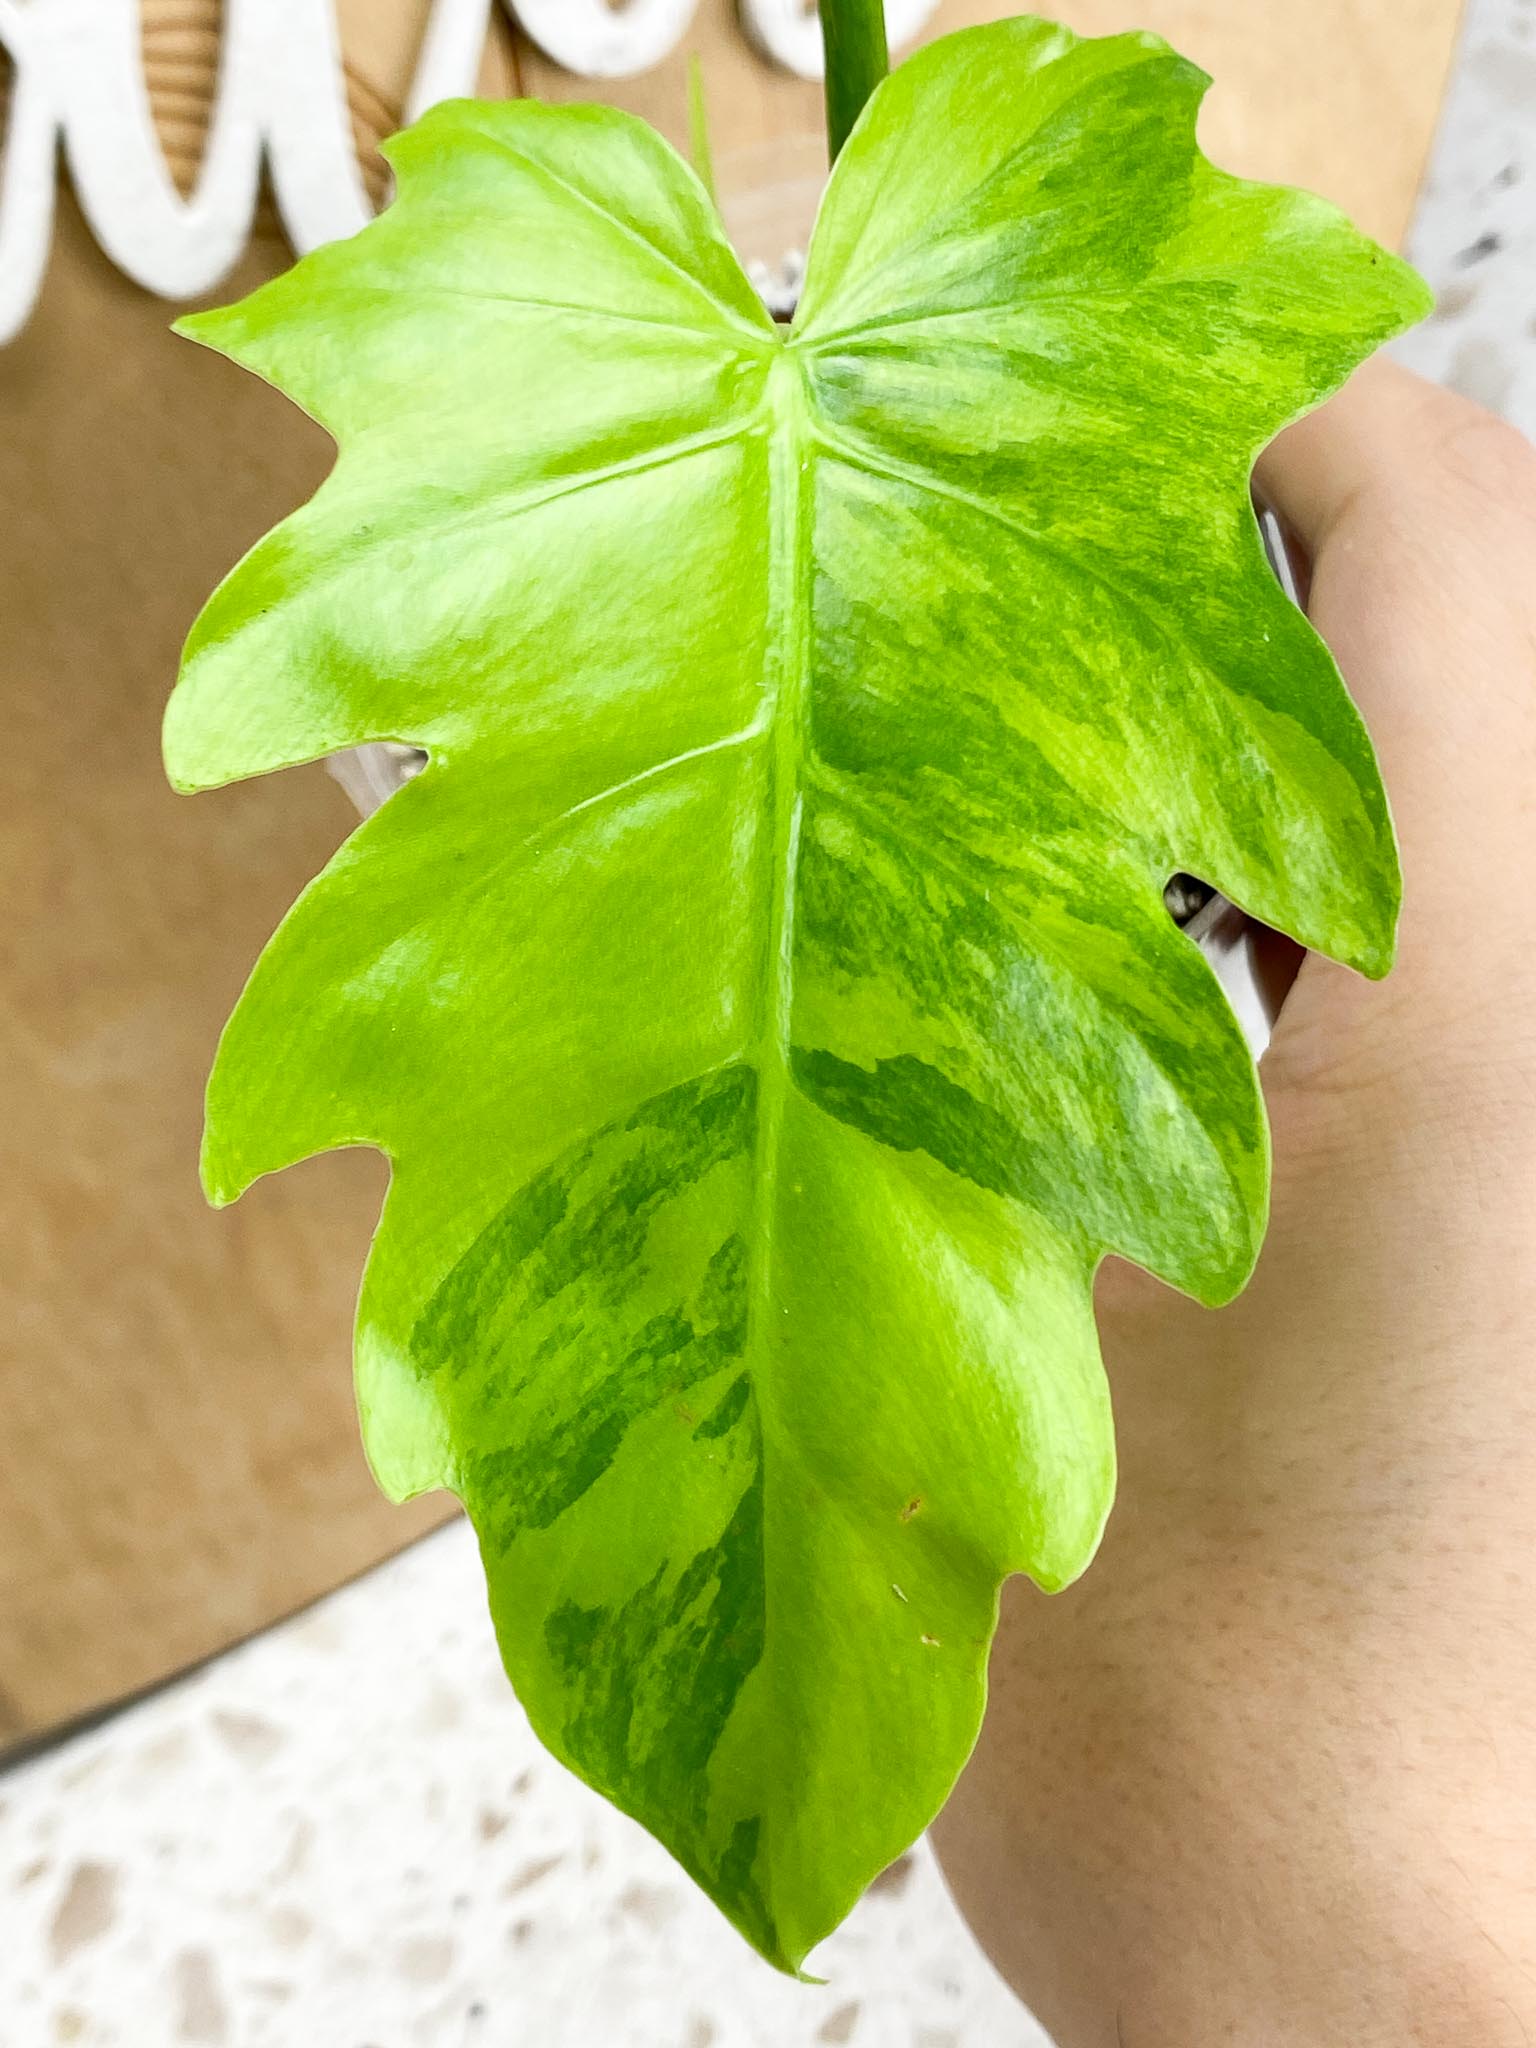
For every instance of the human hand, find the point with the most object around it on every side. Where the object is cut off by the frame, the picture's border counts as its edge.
(1267, 1776)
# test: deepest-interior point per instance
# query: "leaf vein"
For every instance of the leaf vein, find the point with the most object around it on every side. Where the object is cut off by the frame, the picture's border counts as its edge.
(630, 233)
(613, 314)
(658, 770)
(1080, 561)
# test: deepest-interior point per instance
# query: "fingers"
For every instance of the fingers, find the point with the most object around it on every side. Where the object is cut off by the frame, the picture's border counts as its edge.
(1365, 448)
(1419, 512)
(1417, 470)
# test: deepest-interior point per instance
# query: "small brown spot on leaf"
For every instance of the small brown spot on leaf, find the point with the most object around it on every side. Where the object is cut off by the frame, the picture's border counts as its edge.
(87, 1909)
(913, 1507)
(839, 2025)
(201, 2013)
(932, 1643)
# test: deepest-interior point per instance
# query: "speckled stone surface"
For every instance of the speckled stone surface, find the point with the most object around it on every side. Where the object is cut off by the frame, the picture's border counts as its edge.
(1475, 235)
(345, 1835)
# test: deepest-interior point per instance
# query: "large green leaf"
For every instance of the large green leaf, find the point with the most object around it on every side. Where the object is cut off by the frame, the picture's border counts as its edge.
(765, 996)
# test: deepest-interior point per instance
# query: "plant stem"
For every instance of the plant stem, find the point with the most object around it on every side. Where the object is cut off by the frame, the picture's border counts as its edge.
(853, 32)
(698, 128)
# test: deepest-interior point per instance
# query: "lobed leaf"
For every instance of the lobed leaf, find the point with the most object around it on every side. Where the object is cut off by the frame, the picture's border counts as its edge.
(765, 996)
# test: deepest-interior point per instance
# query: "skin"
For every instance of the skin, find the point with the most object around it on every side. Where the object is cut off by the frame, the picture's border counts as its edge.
(1268, 1774)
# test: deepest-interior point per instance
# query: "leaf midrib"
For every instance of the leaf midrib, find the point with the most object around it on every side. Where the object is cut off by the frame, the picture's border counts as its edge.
(789, 650)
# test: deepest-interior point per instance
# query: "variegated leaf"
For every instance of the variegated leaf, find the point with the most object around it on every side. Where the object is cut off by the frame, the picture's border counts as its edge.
(765, 996)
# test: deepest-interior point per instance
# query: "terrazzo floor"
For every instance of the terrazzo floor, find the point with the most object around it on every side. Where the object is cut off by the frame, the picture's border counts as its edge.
(345, 1835)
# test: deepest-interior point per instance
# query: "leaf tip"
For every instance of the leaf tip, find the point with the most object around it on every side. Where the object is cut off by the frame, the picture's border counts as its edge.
(1418, 289)
(221, 1189)
(1377, 954)
(1222, 1283)
(225, 1177)
(204, 328)
(789, 1960)
(443, 115)
(180, 752)
(1402, 295)
(1372, 949)
(180, 772)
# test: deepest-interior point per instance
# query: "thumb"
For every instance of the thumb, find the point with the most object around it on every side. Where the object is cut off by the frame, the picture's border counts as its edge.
(1418, 511)
(1363, 451)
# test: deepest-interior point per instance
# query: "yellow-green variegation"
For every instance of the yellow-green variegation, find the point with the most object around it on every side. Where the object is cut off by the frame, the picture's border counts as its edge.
(765, 996)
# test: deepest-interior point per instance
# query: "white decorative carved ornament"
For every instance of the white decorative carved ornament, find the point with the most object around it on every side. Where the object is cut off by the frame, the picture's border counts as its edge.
(78, 79)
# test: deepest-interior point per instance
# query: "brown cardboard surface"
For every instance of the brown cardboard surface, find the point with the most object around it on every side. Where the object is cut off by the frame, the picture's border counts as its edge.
(1337, 95)
(178, 1454)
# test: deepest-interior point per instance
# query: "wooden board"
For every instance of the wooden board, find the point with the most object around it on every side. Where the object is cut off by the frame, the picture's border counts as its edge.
(179, 1460)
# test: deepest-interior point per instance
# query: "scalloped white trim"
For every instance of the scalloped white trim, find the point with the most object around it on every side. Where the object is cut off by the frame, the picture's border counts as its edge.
(79, 78)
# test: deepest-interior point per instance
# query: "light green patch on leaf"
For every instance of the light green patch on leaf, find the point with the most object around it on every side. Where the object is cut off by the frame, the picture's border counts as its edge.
(765, 996)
